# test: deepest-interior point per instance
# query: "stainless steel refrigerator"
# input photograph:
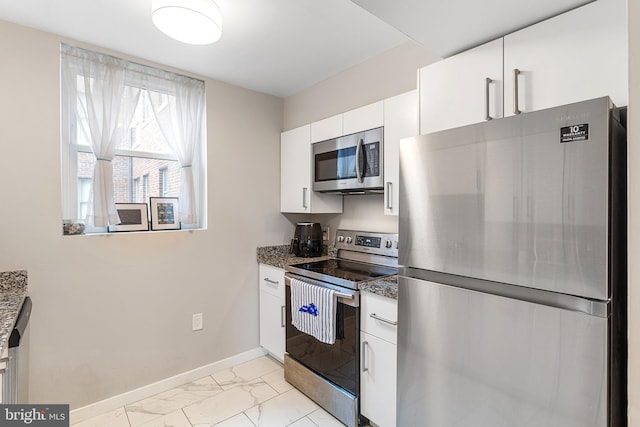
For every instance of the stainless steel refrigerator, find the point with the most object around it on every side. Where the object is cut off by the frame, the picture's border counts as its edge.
(512, 287)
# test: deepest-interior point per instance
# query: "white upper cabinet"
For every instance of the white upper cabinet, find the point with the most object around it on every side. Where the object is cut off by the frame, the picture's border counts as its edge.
(453, 92)
(328, 128)
(575, 56)
(296, 184)
(400, 121)
(364, 118)
(579, 55)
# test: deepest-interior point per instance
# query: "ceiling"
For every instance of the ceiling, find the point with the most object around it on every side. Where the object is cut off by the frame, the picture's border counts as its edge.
(280, 47)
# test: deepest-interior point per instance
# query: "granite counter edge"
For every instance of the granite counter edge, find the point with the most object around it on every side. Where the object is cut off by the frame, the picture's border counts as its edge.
(13, 290)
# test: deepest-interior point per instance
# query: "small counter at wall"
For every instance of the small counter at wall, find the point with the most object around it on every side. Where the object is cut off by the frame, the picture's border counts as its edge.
(13, 290)
(279, 256)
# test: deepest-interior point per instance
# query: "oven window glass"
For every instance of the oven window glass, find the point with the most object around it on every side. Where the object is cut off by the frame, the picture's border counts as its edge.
(340, 362)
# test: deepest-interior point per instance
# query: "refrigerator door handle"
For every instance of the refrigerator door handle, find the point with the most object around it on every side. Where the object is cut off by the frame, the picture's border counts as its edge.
(588, 306)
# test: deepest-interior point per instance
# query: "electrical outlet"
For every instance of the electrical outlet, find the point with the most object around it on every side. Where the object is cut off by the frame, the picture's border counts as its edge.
(197, 322)
(325, 233)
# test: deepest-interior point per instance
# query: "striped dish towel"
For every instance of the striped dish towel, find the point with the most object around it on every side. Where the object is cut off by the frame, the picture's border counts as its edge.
(313, 310)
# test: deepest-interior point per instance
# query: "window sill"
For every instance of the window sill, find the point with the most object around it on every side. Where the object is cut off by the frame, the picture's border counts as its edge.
(104, 232)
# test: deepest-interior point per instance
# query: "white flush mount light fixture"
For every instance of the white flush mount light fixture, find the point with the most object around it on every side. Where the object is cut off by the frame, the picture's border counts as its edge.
(189, 21)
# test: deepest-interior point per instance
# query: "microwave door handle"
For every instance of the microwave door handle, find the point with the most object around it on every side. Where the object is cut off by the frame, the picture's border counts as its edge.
(359, 154)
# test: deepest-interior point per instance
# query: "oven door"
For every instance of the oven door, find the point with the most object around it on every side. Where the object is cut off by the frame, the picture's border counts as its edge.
(349, 163)
(339, 362)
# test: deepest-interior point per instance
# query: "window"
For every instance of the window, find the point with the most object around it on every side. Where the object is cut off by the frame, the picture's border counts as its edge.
(150, 144)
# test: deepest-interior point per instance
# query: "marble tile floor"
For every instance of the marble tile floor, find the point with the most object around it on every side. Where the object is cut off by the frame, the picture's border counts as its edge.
(251, 394)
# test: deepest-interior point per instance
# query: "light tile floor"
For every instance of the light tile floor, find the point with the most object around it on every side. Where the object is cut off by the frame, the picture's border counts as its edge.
(251, 394)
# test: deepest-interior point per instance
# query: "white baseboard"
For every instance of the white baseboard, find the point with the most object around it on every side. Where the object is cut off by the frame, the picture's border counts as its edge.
(133, 396)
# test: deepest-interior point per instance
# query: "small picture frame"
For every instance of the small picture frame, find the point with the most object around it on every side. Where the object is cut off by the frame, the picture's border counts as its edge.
(165, 213)
(133, 217)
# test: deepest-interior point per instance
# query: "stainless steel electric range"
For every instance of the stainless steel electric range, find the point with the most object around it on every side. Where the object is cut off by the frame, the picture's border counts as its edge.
(330, 373)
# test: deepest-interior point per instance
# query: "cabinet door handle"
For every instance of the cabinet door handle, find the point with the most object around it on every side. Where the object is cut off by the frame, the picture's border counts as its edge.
(304, 197)
(271, 283)
(283, 316)
(516, 103)
(487, 82)
(365, 344)
(389, 195)
(382, 319)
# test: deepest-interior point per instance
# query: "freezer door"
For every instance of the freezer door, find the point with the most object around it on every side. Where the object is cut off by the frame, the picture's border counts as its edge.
(523, 200)
(470, 359)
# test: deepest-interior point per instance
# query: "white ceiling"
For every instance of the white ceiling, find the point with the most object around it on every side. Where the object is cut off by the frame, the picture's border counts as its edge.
(283, 46)
(450, 26)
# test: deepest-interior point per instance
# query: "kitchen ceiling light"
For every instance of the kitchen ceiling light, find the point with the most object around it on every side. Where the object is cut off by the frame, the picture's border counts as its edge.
(189, 21)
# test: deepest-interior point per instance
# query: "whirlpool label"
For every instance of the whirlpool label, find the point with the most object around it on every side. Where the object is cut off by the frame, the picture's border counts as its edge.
(574, 133)
(34, 415)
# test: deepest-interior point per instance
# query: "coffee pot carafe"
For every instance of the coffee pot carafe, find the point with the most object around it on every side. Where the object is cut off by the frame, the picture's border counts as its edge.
(307, 240)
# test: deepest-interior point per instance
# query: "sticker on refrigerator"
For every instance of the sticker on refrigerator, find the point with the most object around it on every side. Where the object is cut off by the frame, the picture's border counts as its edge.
(574, 133)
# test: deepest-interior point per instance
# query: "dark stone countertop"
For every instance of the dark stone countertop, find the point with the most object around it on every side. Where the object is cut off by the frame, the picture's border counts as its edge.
(385, 286)
(13, 289)
(279, 256)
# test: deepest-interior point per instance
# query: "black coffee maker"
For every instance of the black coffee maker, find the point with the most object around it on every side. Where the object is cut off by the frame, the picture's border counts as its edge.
(307, 240)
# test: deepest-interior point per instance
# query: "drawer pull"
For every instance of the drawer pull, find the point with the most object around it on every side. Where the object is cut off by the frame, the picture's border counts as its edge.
(271, 283)
(382, 319)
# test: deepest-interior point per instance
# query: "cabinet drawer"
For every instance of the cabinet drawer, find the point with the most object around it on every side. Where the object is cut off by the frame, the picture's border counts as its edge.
(378, 316)
(272, 280)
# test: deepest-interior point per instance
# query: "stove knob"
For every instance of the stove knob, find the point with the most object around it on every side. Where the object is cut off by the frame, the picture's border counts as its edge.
(340, 238)
(348, 239)
(388, 244)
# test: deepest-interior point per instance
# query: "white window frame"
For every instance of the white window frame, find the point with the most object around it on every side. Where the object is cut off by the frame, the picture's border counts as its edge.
(69, 160)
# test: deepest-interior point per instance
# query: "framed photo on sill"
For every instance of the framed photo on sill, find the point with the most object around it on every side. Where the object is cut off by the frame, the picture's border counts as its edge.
(165, 213)
(133, 217)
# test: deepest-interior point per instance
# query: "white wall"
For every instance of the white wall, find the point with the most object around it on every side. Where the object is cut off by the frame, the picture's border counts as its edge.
(392, 73)
(389, 74)
(113, 312)
(634, 214)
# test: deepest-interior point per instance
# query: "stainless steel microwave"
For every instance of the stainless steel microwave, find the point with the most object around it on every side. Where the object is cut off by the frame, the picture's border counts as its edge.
(350, 164)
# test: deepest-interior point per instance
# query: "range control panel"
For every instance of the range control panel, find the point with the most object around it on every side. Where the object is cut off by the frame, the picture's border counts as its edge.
(363, 241)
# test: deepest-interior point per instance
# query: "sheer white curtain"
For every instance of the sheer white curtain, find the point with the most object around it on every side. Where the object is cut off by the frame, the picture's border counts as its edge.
(107, 100)
(180, 113)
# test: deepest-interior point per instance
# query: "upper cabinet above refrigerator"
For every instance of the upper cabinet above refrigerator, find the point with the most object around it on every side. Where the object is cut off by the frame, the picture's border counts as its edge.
(578, 55)
(575, 56)
(462, 89)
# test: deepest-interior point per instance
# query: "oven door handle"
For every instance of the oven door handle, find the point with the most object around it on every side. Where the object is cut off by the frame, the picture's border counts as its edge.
(341, 295)
(349, 298)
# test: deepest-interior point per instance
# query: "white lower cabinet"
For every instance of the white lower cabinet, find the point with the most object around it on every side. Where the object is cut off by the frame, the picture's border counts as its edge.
(272, 310)
(378, 362)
